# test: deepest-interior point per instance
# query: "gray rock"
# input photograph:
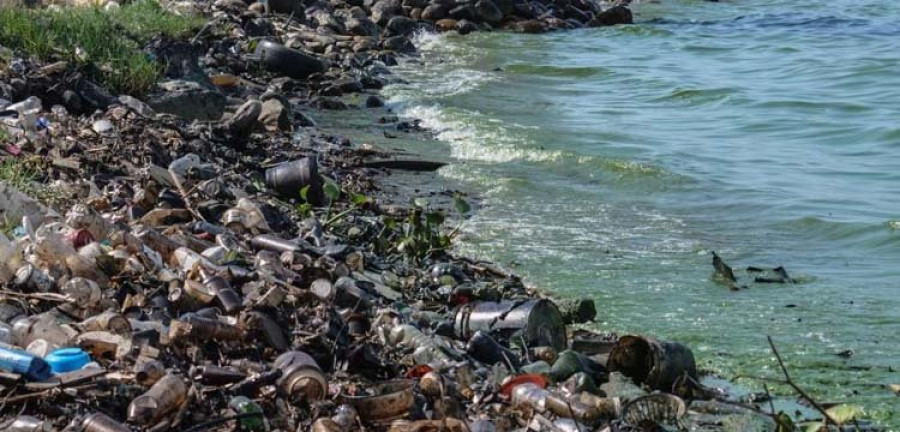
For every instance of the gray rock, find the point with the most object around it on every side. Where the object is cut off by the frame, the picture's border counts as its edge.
(488, 11)
(402, 26)
(384, 10)
(374, 102)
(464, 12)
(246, 117)
(612, 16)
(189, 100)
(434, 12)
(400, 44)
(362, 27)
(464, 27)
(507, 7)
(303, 120)
(275, 116)
(287, 7)
(137, 106)
(72, 101)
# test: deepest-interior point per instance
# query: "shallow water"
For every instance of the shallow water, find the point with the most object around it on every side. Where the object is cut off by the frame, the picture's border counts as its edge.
(612, 161)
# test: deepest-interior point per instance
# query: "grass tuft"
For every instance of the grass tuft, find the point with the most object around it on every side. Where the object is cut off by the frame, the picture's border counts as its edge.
(105, 45)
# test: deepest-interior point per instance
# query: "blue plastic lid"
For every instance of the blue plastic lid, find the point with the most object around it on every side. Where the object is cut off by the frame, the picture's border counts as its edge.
(67, 359)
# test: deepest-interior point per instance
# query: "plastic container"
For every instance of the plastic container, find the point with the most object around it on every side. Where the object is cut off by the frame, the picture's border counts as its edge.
(67, 360)
(21, 362)
(99, 422)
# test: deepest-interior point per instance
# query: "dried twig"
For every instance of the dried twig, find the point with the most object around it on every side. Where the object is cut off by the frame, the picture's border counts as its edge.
(790, 382)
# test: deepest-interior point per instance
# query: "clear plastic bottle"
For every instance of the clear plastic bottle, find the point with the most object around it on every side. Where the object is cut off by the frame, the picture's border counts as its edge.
(427, 350)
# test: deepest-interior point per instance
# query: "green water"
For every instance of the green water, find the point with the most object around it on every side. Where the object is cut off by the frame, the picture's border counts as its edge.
(610, 162)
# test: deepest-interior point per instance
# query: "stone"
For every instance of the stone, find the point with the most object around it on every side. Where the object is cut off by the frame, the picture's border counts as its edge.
(72, 101)
(612, 16)
(384, 10)
(434, 12)
(488, 12)
(507, 7)
(137, 106)
(288, 7)
(465, 27)
(464, 12)
(361, 27)
(246, 117)
(400, 44)
(374, 102)
(400, 25)
(446, 24)
(530, 26)
(275, 116)
(189, 100)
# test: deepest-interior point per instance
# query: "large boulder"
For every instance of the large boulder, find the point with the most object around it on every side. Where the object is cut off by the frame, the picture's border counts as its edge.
(488, 11)
(434, 12)
(188, 99)
(612, 16)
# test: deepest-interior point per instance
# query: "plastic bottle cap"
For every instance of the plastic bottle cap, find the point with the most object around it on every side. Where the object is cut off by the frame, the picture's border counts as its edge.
(67, 359)
(507, 387)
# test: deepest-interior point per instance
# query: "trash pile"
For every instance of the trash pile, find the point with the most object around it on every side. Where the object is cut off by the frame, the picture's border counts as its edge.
(212, 261)
(130, 312)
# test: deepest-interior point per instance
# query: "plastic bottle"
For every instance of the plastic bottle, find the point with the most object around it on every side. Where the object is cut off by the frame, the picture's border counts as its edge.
(83, 217)
(17, 361)
(164, 398)
(243, 405)
(84, 292)
(427, 350)
(542, 400)
(201, 329)
(42, 326)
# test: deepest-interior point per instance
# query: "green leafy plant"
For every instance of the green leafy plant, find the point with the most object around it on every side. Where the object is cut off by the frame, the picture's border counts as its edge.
(421, 234)
(82, 36)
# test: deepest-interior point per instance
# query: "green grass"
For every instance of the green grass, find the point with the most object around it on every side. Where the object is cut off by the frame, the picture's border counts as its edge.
(106, 46)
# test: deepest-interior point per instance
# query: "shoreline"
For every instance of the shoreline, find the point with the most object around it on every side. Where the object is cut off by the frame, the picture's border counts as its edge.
(358, 282)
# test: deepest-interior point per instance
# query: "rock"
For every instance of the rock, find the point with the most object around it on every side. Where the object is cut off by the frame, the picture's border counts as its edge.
(246, 117)
(327, 104)
(361, 27)
(488, 12)
(374, 102)
(137, 106)
(579, 15)
(465, 27)
(384, 10)
(434, 12)
(180, 59)
(188, 100)
(446, 24)
(464, 12)
(303, 120)
(288, 7)
(400, 25)
(612, 16)
(416, 14)
(400, 44)
(72, 101)
(275, 116)
(92, 95)
(507, 7)
(531, 26)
